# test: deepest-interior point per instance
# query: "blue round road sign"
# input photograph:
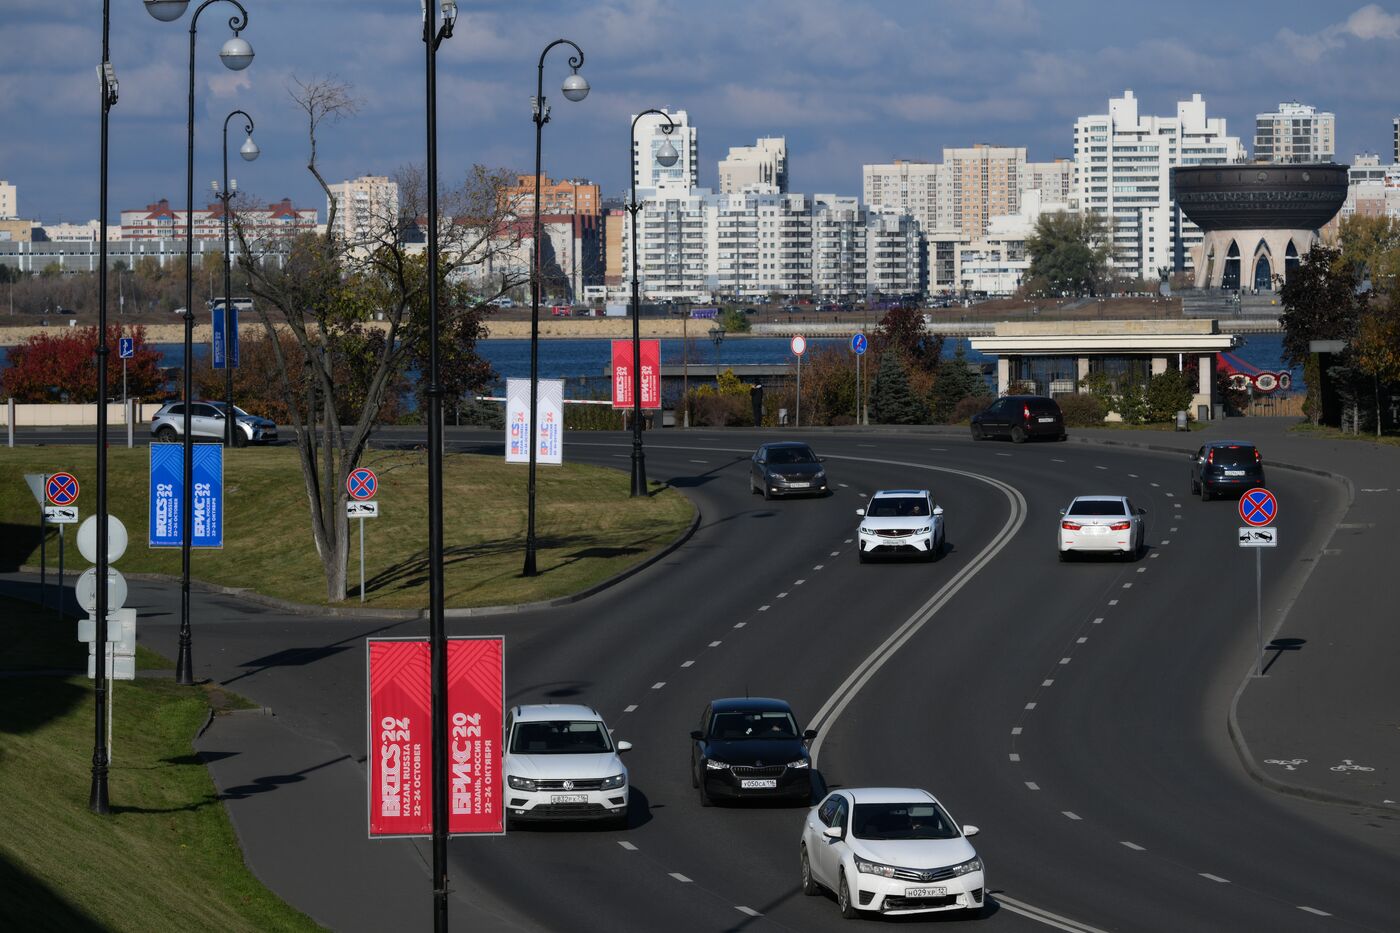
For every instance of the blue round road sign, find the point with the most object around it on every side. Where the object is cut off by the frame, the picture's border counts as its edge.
(1258, 507)
(362, 484)
(858, 344)
(62, 489)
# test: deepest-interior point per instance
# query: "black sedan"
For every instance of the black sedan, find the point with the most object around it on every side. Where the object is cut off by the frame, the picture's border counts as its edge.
(787, 468)
(750, 747)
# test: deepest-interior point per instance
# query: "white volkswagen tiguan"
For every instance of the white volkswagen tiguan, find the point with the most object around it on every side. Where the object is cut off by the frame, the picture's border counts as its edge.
(562, 764)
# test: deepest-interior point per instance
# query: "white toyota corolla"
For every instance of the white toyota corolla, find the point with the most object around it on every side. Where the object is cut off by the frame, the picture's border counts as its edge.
(891, 850)
(561, 764)
(1099, 524)
(900, 522)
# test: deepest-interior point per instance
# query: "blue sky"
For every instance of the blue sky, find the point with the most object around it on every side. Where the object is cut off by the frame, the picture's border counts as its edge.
(846, 81)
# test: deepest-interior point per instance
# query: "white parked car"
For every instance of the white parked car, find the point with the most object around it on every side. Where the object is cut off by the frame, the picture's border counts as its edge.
(900, 522)
(1102, 524)
(890, 850)
(561, 764)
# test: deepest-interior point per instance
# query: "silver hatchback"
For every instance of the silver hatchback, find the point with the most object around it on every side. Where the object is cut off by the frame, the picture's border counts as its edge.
(207, 422)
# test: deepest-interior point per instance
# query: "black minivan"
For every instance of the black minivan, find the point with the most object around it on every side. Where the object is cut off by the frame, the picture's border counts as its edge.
(1020, 417)
(1225, 467)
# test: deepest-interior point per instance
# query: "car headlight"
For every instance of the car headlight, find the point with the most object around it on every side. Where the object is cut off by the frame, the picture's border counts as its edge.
(617, 780)
(866, 531)
(874, 868)
(712, 765)
(520, 783)
(968, 867)
(820, 474)
(924, 530)
(799, 763)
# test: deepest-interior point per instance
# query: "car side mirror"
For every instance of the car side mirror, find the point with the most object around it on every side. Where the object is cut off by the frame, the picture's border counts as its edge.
(1062, 511)
(834, 833)
(624, 747)
(697, 735)
(860, 512)
(1192, 457)
(821, 460)
(1142, 511)
(970, 830)
(809, 734)
(938, 510)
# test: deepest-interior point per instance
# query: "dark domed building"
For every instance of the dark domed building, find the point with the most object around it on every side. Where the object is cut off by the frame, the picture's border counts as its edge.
(1258, 219)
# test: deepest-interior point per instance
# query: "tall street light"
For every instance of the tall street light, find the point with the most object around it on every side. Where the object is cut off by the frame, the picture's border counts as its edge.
(437, 630)
(249, 151)
(97, 798)
(575, 88)
(666, 156)
(236, 55)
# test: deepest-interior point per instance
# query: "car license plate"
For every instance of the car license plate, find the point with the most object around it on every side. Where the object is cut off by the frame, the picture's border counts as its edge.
(799, 485)
(926, 892)
(568, 798)
(1045, 420)
(759, 783)
(1234, 472)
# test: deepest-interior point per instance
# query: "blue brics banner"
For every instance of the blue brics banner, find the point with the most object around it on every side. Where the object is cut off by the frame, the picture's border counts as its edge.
(224, 335)
(167, 499)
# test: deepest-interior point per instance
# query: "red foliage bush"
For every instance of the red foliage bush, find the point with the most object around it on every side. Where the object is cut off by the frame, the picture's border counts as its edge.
(61, 366)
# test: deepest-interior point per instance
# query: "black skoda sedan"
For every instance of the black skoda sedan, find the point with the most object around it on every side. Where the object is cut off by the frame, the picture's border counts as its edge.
(750, 747)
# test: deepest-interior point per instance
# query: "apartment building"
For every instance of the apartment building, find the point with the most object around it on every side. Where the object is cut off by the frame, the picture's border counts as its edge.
(764, 163)
(365, 208)
(1295, 133)
(649, 138)
(1122, 171)
(569, 196)
(9, 200)
(160, 221)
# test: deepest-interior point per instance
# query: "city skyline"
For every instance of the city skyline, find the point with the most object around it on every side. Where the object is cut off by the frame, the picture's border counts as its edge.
(845, 84)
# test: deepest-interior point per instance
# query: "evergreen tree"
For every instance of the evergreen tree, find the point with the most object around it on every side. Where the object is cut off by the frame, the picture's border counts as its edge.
(891, 399)
(955, 381)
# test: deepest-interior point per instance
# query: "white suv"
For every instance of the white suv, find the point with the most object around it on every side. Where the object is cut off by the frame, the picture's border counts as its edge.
(900, 522)
(561, 764)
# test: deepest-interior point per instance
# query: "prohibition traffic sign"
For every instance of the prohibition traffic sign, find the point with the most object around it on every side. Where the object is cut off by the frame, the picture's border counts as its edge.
(362, 484)
(62, 489)
(1258, 507)
(799, 345)
(859, 344)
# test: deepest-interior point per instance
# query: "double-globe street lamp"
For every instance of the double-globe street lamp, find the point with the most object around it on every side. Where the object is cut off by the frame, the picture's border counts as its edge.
(666, 156)
(575, 88)
(236, 55)
(249, 151)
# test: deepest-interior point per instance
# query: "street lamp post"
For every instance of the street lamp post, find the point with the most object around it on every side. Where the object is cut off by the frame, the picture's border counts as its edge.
(575, 88)
(666, 156)
(249, 151)
(236, 55)
(717, 335)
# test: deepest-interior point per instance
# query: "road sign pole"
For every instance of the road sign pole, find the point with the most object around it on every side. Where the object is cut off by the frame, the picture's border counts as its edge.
(799, 391)
(362, 560)
(43, 554)
(857, 388)
(1259, 603)
(60, 573)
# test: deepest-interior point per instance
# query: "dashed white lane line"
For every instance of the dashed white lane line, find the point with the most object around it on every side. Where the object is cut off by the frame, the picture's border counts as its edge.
(1056, 460)
(1168, 540)
(1155, 485)
(1314, 910)
(1097, 467)
(1030, 705)
(1047, 683)
(1173, 528)
(679, 877)
(818, 566)
(763, 608)
(1127, 586)
(658, 685)
(1070, 814)
(1175, 505)
(866, 445)
(627, 845)
(1133, 475)
(1014, 757)
(1113, 602)
(847, 541)
(699, 461)
(1171, 495)
(1016, 730)
(1064, 660)
(835, 553)
(1216, 878)
(1081, 640)
(1003, 455)
(623, 456)
(844, 485)
(782, 595)
(1150, 556)
(747, 911)
(799, 582)
(1099, 621)
(631, 709)
(1133, 845)
(1142, 570)
(1032, 785)
(687, 663)
(716, 644)
(742, 624)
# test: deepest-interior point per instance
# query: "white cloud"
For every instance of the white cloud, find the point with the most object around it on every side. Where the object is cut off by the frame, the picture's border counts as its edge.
(1368, 23)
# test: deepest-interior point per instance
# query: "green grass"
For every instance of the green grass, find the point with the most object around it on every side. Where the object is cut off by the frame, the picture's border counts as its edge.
(1335, 434)
(587, 527)
(166, 857)
(1152, 426)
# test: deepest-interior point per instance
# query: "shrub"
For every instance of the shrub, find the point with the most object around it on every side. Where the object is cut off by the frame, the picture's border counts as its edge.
(1082, 410)
(967, 407)
(1168, 393)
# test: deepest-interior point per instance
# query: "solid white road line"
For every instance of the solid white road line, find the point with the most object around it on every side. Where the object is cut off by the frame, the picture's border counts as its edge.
(627, 845)
(1216, 878)
(1134, 846)
(1040, 915)
(1314, 910)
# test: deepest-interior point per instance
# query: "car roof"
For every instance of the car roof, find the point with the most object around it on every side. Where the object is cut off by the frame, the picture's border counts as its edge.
(544, 712)
(1100, 499)
(1019, 398)
(901, 492)
(787, 444)
(1230, 444)
(750, 704)
(887, 794)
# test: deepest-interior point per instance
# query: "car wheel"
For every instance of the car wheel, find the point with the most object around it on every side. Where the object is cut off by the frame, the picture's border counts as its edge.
(1018, 435)
(165, 433)
(1064, 436)
(1205, 493)
(767, 493)
(705, 800)
(239, 438)
(861, 555)
(694, 773)
(843, 900)
(978, 434)
(809, 884)
(1064, 557)
(1195, 488)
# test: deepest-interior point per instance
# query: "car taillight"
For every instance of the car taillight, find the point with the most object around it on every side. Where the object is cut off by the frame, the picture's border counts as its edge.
(1257, 459)
(1120, 526)
(1026, 412)
(1210, 457)
(1070, 526)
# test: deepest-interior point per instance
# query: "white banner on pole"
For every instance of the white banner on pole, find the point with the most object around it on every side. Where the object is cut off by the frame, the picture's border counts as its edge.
(550, 434)
(517, 420)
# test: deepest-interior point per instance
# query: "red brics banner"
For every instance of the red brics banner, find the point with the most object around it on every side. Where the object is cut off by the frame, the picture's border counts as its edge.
(622, 373)
(400, 738)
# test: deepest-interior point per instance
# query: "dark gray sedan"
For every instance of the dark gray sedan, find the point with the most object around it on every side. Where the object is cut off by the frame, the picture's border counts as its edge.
(787, 468)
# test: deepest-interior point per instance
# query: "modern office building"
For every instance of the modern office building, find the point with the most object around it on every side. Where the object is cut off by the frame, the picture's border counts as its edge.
(1295, 133)
(569, 196)
(365, 208)
(764, 163)
(1122, 165)
(649, 137)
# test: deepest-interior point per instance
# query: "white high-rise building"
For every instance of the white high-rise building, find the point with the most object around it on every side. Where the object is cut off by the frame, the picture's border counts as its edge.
(1122, 170)
(1295, 133)
(764, 163)
(649, 137)
(366, 208)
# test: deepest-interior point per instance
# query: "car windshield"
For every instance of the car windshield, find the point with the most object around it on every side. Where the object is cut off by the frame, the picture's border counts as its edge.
(767, 724)
(1234, 456)
(791, 455)
(897, 506)
(561, 737)
(902, 821)
(220, 407)
(1097, 507)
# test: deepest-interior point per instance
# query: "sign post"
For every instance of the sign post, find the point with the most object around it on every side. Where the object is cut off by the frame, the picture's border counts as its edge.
(859, 344)
(126, 349)
(362, 484)
(61, 489)
(799, 347)
(1258, 509)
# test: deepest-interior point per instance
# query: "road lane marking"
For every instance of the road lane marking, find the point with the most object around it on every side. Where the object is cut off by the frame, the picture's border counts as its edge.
(658, 685)
(1016, 730)
(679, 877)
(747, 911)
(742, 624)
(1070, 814)
(1099, 621)
(1216, 878)
(1142, 570)
(1314, 910)
(1064, 660)
(1153, 555)
(847, 541)
(1133, 845)
(1056, 460)
(835, 553)
(782, 595)
(687, 663)
(631, 709)
(1097, 467)
(867, 445)
(1155, 485)
(1032, 785)
(1041, 915)
(1047, 683)
(1003, 455)
(763, 608)
(627, 845)
(939, 449)
(818, 566)
(1171, 495)
(1127, 586)
(799, 582)
(716, 644)
(1133, 475)
(1168, 540)
(1173, 528)
(1113, 602)
(1081, 640)
(1030, 705)
(1014, 757)
(699, 461)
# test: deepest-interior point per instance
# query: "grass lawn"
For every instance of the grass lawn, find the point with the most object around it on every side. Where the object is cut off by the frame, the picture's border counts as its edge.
(166, 858)
(587, 527)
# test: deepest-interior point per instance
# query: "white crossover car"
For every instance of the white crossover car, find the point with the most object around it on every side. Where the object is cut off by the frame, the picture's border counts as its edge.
(1102, 525)
(890, 850)
(900, 522)
(562, 764)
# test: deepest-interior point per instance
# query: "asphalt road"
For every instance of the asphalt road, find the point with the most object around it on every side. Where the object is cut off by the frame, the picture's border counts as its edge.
(1075, 712)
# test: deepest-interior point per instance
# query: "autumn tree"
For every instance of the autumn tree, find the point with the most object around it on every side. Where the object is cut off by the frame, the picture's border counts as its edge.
(61, 366)
(1376, 350)
(1320, 302)
(902, 330)
(1069, 253)
(358, 306)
